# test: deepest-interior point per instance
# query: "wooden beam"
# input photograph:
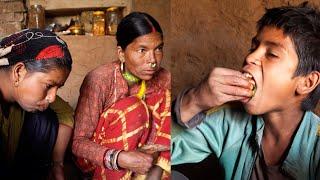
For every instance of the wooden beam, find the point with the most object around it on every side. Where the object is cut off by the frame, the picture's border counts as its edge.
(65, 5)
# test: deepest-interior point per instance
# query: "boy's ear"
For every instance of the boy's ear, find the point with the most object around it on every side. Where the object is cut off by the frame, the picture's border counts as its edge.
(18, 73)
(308, 83)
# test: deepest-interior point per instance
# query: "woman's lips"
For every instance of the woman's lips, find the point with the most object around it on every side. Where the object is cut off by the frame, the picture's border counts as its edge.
(149, 72)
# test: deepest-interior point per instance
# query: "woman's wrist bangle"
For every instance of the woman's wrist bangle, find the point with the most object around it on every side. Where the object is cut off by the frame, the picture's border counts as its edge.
(115, 160)
(108, 158)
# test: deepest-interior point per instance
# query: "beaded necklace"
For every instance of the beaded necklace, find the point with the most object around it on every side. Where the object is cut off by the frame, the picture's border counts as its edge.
(131, 79)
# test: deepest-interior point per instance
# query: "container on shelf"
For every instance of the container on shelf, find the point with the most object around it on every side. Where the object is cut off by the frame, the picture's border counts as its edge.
(77, 28)
(36, 17)
(98, 23)
(113, 18)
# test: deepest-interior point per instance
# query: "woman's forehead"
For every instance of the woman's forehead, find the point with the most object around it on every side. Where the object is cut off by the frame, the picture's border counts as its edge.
(151, 39)
(57, 76)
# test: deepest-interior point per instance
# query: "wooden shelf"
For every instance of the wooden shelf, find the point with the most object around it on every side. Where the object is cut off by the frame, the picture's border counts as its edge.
(67, 6)
(62, 11)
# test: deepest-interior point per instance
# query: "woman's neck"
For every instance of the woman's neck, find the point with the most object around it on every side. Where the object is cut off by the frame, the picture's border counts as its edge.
(4, 104)
(5, 88)
(130, 78)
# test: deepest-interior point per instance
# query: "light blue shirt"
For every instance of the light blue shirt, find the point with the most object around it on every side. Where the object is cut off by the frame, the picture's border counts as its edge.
(234, 137)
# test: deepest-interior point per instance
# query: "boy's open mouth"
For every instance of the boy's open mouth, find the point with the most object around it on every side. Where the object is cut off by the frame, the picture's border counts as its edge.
(252, 81)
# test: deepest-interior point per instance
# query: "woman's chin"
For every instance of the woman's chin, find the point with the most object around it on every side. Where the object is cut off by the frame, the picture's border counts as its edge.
(32, 110)
(29, 108)
(146, 77)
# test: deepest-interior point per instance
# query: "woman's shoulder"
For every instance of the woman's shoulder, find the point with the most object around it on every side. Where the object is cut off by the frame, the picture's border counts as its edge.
(64, 111)
(104, 70)
(101, 74)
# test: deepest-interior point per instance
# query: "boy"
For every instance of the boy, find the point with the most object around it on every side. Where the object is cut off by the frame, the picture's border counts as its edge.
(277, 136)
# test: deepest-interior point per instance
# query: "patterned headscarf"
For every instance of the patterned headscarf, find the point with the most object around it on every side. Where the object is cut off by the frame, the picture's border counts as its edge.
(32, 45)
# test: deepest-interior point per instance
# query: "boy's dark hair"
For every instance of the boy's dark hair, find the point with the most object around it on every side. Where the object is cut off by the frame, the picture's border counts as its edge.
(302, 25)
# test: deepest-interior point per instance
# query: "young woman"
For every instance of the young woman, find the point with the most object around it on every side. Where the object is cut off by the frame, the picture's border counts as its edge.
(35, 126)
(123, 113)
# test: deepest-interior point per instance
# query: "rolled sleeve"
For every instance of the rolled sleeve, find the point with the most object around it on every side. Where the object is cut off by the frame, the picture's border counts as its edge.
(194, 121)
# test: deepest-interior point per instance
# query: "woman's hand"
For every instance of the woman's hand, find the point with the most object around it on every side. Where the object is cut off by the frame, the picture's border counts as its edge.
(221, 86)
(135, 161)
(57, 172)
(155, 173)
(64, 134)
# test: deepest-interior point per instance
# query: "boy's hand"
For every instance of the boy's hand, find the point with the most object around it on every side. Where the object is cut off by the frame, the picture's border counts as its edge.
(221, 86)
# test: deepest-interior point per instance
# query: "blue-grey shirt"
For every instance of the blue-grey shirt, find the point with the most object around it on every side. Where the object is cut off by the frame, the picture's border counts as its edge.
(234, 136)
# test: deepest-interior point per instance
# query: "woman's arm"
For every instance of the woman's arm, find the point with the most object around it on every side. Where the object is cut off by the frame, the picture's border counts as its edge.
(155, 173)
(64, 113)
(89, 108)
(64, 135)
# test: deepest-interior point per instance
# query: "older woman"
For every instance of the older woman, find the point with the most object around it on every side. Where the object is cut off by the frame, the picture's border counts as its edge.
(33, 65)
(123, 112)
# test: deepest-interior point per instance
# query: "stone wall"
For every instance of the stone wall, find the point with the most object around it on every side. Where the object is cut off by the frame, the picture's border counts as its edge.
(12, 16)
(207, 33)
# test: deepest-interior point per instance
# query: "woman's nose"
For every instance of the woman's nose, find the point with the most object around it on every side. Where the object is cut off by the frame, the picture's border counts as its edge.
(152, 57)
(51, 97)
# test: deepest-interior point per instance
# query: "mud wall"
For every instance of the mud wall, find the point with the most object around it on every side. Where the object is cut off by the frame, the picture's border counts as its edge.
(207, 33)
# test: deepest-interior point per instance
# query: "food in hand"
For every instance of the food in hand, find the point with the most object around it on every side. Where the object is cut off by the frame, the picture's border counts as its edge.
(251, 80)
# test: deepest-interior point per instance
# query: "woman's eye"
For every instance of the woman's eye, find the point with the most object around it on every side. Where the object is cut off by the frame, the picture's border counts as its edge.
(48, 86)
(141, 50)
(159, 49)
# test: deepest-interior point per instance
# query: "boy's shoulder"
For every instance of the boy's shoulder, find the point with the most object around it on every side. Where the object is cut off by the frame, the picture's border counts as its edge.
(233, 114)
(314, 118)
(314, 121)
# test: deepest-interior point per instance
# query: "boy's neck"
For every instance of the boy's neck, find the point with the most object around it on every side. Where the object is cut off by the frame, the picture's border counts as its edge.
(278, 134)
(282, 124)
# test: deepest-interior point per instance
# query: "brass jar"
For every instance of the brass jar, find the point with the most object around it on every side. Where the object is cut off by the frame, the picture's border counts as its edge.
(98, 23)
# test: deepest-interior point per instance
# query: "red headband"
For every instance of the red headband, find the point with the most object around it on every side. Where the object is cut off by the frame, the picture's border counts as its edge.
(153, 29)
(53, 51)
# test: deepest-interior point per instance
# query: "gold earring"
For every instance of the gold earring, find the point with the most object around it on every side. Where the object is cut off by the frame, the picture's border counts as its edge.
(122, 60)
(16, 83)
(121, 66)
